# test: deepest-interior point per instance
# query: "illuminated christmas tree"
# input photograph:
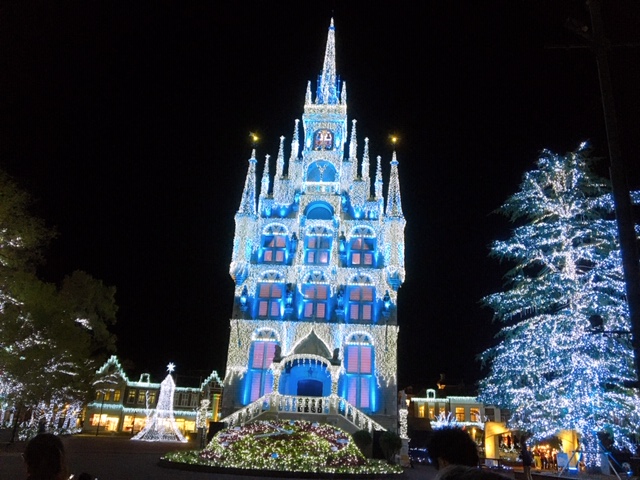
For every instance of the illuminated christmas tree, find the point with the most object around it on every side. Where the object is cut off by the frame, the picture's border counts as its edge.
(161, 425)
(550, 369)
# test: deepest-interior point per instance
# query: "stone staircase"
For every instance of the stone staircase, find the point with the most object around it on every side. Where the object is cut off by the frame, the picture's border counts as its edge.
(332, 410)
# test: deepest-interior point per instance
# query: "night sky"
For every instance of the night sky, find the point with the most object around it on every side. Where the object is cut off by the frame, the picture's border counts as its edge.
(129, 124)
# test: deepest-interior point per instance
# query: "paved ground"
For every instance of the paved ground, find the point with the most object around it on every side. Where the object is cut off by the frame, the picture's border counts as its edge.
(119, 458)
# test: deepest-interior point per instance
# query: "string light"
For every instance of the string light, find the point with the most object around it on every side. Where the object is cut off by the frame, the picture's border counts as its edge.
(291, 446)
(548, 370)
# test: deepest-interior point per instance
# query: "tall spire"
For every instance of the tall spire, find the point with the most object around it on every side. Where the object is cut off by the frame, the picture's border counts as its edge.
(394, 203)
(280, 160)
(307, 96)
(328, 84)
(379, 178)
(353, 143)
(248, 202)
(365, 163)
(295, 142)
(264, 186)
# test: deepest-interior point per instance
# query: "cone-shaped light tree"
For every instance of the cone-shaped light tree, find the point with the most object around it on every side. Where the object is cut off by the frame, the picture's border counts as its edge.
(548, 368)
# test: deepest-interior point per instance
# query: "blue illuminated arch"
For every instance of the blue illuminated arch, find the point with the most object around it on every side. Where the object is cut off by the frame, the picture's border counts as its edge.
(319, 211)
(321, 171)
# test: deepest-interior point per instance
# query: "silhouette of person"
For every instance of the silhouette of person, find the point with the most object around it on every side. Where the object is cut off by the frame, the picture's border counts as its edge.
(527, 459)
(45, 458)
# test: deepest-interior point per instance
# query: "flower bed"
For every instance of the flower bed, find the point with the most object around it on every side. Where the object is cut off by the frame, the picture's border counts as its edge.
(284, 446)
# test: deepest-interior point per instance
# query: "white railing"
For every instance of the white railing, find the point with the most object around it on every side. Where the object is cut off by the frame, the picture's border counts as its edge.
(248, 413)
(321, 187)
(292, 404)
(356, 417)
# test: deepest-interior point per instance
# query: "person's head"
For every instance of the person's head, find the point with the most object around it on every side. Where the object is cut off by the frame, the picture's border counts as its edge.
(45, 458)
(452, 446)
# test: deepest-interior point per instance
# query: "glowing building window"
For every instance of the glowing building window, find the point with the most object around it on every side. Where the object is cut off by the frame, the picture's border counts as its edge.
(475, 414)
(315, 301)
(141, 397)
(359, 365)
(421, 411)
(460, 414)
(361, 303)
(362, 251)
(432, 413)
(317, 248)
(131, 397)
(261, 380)
(274, 248)
(116, 396)
(270, 299)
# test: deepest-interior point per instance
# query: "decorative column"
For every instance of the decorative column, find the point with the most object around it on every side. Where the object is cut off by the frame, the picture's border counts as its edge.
(402, 417)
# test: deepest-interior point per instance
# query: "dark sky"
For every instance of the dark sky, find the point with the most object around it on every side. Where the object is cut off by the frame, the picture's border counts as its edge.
(129, 124)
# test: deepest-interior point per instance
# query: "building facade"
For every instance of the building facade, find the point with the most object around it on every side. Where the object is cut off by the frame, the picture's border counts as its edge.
(318, 257)
(124, 406)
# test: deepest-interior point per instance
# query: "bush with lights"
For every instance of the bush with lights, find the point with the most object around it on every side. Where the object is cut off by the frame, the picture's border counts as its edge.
(292, 446)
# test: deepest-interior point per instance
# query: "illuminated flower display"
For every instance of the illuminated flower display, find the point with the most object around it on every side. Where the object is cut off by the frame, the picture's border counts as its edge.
(291, 446)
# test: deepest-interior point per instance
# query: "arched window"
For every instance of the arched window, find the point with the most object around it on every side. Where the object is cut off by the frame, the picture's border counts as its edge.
(270, 297)
(359, 376)
(362, 247)
(317, 246)
(274, 244)
(315, 299)
(361, 302)
(321, 171)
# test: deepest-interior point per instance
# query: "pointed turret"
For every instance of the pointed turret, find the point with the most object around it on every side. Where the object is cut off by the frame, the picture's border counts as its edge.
(365, 163)
(280, 160)
(353, 143)
(248, 202)
(394, 203)
(264, 184)
(307, 97)
(280, 182)
(379, 178)
(328, 84)
(295, 142)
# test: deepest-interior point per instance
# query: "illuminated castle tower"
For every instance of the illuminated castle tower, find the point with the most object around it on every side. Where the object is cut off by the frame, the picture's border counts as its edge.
(317, 262)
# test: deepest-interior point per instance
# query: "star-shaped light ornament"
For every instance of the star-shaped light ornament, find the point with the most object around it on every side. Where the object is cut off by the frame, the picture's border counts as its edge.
(171, 367)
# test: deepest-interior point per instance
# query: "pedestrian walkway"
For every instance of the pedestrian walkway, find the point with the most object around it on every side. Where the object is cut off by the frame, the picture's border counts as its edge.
(119, 458)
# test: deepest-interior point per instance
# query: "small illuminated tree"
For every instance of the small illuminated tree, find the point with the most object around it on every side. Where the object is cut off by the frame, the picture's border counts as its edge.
(161, 425)
(548, 369)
